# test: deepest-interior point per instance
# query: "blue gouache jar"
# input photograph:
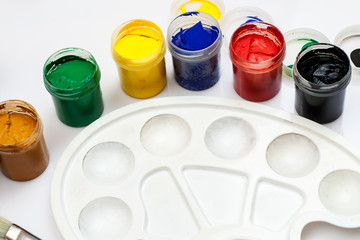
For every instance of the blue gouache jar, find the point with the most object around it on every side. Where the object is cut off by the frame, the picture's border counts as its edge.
(194, 41)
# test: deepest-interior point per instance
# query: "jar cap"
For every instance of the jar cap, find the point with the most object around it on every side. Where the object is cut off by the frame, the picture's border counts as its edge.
(239, 16)
(296, 40)
(215, 8)
(348, 40)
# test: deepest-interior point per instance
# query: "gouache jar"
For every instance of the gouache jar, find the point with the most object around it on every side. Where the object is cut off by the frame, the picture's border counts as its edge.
(198, 68)
(257, 50)
(23, 152)
(138, 48)
(321, 74)
(72, 77)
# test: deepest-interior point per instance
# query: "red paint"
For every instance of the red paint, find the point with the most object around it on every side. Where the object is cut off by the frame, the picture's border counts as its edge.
(257, 50)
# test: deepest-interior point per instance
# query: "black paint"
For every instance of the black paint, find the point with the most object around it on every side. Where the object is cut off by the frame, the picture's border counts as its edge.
(321, 74)
(355, 57)
(322, 70)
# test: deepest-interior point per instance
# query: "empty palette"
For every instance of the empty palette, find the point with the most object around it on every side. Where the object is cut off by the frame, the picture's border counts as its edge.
(206, 169)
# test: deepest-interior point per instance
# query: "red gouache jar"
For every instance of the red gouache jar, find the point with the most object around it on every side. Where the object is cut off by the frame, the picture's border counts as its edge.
(257, 50)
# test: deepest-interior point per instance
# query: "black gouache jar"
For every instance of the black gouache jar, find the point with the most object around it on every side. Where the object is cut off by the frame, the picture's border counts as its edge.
(321, 73)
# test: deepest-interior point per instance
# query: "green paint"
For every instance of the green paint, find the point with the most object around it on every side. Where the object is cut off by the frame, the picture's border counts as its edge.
(291, 66)
(71, 74)
(311, 41)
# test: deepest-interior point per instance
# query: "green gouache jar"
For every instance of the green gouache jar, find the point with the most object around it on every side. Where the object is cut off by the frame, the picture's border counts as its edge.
(72, 77)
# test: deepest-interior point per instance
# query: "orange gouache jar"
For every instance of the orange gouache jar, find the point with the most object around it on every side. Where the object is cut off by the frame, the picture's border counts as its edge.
(23, 152)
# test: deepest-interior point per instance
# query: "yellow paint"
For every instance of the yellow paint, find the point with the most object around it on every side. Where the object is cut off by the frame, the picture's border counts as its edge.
(15, 128)
(138, 48)
(201, 6)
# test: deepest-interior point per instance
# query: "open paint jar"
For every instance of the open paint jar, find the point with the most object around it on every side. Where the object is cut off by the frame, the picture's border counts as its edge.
(194, 41)
(215, 8)
(257, 50)
(321, 73)
(72, 77)
(138, 48)
(23, 152)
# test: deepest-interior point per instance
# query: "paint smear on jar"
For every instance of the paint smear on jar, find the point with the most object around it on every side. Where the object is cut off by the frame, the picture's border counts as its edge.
(195, 38)
(137, 46)
(15, 128)
(71, 74)
(256, 48)
(201, 6)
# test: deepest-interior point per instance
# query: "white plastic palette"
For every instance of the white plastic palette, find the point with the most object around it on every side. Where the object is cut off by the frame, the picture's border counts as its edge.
(206, 169)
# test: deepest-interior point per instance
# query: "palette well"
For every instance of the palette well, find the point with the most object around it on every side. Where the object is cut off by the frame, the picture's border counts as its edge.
(204, 168)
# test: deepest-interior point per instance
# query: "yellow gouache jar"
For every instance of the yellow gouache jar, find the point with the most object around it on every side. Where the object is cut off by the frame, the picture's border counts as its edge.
(138, 48)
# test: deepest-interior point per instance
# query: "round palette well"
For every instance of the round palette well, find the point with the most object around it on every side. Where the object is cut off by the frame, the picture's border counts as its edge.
(204, 168)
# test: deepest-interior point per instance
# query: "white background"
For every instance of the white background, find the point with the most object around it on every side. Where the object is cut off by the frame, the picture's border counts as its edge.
(31, 30)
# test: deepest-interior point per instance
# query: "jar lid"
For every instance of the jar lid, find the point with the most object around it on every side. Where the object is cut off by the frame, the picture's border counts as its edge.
(349, 40)
(216, 8)
(296, 40)
(239, 16)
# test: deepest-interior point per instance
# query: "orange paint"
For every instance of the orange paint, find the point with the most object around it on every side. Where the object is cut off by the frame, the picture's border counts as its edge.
(15, 128)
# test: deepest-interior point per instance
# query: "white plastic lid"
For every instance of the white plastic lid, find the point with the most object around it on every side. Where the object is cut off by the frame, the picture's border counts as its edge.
(297, 39)
(349, 40)
(216, 8)
(239, 16)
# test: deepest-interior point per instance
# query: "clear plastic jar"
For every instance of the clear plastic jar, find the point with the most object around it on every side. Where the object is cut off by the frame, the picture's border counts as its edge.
(195, 69)
(24, 159)
(316, 99)
(144, 76)
(258, 80)
(80, 102)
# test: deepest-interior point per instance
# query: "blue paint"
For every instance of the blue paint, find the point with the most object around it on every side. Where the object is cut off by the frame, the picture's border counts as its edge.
(190, 14)
(199, 75)
(197, 67)
(195, 38)
(252, 19)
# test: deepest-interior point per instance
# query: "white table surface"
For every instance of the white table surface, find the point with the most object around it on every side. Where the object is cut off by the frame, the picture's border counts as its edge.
(31, 30)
